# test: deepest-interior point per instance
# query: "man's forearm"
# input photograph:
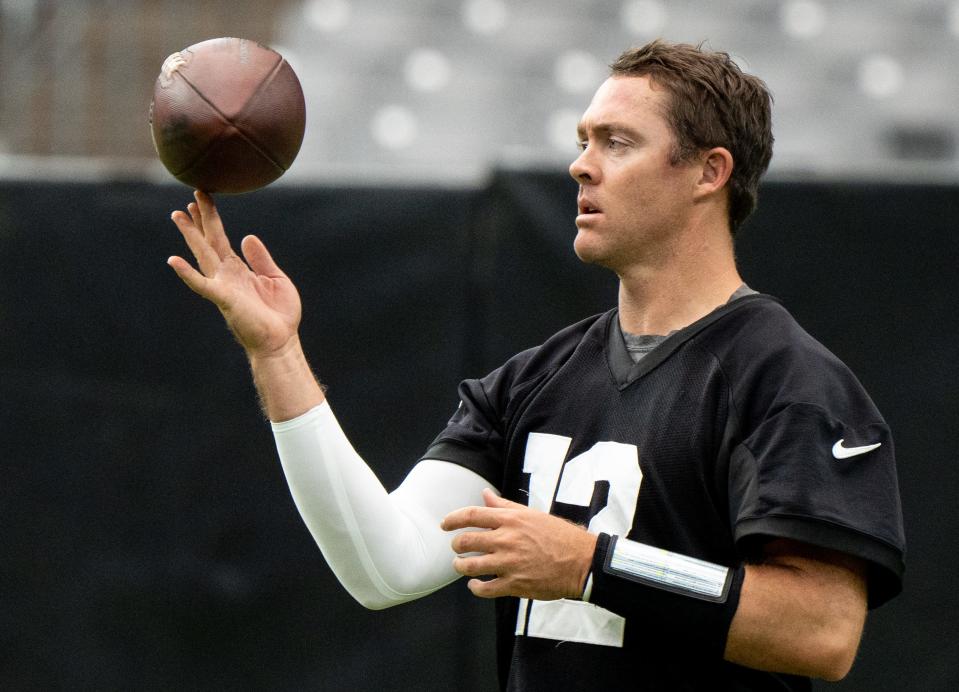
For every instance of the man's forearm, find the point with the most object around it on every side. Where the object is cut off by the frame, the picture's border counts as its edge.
(285, 383)
(384, 549)
(800, 613)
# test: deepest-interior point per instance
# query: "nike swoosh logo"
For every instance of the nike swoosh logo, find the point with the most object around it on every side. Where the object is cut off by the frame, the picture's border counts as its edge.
(841, 452)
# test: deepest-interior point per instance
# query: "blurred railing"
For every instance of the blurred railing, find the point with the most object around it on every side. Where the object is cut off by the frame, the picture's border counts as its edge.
(439, 90)
(76, 77)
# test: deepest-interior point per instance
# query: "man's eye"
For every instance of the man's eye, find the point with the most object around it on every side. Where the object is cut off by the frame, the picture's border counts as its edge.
(581, 144)
(615, 144)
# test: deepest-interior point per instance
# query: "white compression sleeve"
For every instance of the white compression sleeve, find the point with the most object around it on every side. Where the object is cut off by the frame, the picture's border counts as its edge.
(384, 548)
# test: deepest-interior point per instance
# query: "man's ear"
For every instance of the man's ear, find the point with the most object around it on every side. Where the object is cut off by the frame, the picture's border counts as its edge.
(717, 167)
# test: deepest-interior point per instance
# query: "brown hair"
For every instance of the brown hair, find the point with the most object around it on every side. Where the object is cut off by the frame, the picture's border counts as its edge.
(712, 103)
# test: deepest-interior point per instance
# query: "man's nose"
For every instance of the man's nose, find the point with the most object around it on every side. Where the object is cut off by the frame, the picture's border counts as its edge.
(583, 169)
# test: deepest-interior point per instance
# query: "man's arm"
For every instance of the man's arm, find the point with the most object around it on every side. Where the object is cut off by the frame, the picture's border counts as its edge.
(384, 548)
(259, 303)
(800, 611)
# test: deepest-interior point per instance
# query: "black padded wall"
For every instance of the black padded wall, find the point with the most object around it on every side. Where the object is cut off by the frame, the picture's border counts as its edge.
(148, 536)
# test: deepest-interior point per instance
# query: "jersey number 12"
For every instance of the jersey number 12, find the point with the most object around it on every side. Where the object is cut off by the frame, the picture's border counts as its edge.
(573, 483)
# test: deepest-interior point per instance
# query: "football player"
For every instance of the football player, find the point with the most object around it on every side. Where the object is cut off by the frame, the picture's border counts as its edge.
(686, 492)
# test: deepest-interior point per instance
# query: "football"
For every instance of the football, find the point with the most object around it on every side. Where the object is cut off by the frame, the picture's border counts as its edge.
(228, 115)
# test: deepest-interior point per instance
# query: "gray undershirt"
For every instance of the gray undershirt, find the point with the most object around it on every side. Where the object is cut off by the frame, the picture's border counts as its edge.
(639, 345)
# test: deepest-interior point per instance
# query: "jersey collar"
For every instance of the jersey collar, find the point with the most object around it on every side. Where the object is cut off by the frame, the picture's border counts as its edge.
(621, 365)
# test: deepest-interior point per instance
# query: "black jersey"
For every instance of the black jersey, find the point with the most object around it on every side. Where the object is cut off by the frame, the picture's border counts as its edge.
(738, 428)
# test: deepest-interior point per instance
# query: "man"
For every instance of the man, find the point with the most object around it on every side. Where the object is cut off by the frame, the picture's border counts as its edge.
(687, 492)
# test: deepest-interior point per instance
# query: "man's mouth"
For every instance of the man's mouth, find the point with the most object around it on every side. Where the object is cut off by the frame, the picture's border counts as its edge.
(587, 207)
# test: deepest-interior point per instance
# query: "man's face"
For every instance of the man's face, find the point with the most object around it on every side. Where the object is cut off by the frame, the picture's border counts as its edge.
(631, 198)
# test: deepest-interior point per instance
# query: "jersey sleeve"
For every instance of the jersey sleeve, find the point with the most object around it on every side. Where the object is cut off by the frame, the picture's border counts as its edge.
(478, 433)
(825, 475)
(474, 436)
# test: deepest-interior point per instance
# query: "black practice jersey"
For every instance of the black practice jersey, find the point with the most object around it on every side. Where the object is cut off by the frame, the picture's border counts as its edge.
(736, 429)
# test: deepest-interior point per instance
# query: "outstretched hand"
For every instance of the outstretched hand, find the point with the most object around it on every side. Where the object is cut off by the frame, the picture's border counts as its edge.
(528, 553)
(260, 303)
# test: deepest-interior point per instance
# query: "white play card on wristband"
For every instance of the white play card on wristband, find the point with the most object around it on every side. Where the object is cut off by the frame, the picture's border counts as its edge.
(667, 570)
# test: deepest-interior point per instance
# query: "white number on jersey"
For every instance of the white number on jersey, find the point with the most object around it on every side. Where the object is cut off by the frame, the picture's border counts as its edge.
(614, 462)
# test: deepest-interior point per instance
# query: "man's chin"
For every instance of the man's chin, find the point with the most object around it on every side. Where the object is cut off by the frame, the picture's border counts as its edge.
(587, 252)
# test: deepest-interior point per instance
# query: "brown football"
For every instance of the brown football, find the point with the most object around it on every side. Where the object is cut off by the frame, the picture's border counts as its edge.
(227, 115)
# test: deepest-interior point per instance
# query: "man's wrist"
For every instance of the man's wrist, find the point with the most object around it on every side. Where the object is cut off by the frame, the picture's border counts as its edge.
(588, 588)
(684, 595)
(289, 350)
(284, 381)
(585, 564)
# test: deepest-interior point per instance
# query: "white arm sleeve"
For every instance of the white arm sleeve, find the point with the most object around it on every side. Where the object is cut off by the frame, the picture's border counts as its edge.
(384, 548)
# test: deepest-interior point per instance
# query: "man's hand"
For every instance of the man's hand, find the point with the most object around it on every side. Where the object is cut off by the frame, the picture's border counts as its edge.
(529, 553)
(259, 302)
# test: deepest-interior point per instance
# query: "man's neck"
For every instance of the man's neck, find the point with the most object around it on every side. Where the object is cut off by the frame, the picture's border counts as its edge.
(668, 295)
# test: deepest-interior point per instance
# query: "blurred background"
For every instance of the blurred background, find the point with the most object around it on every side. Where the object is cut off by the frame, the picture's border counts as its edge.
(440, 90)
(147, 537)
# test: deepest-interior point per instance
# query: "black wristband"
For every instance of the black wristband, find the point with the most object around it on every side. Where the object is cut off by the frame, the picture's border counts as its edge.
(666, 592)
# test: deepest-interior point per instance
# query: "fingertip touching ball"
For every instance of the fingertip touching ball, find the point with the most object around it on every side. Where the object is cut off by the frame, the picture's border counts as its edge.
(227, 115)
